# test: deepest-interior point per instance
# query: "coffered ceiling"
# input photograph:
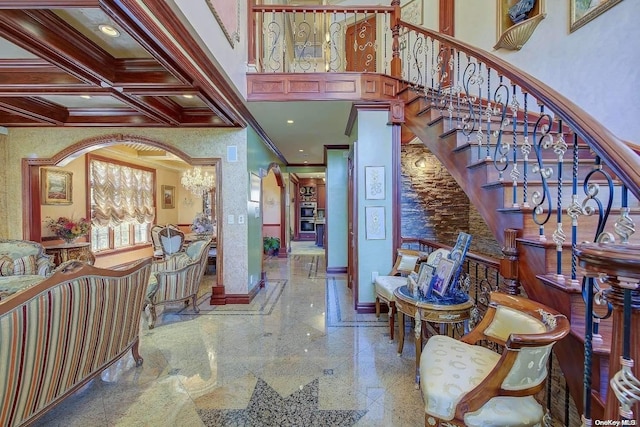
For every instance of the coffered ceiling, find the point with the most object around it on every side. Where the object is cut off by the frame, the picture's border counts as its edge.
(57, 68)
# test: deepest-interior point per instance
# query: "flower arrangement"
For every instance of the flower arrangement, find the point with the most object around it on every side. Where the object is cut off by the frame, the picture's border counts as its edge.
(69, 229)
(202, 224)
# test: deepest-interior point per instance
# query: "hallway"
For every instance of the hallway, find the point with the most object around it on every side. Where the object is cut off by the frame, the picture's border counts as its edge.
(292, 357)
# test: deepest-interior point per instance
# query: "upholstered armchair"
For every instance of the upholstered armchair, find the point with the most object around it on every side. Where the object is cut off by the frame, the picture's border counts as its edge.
(467, 384)
(155, 240)
(406, 262)
(171, 240)
(177, 278)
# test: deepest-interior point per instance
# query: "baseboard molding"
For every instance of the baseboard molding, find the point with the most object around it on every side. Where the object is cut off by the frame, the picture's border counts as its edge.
(218, 296)
(370, 307)
(336, 270)
(238, 299)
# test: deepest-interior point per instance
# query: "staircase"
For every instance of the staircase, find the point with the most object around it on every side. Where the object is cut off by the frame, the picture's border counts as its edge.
(530, 161)
(478, 177)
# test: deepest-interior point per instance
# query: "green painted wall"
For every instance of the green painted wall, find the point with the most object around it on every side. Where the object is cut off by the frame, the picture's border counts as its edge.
(336, 209)
(373, 148)
(258, 156)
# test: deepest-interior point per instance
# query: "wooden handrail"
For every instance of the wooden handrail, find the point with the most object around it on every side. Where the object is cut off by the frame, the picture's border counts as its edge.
(614, 151)
(490, 262)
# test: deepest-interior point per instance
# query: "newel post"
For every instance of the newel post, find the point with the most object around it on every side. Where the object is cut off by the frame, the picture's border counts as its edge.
(509, 264)
(396, 63)
(618, 265)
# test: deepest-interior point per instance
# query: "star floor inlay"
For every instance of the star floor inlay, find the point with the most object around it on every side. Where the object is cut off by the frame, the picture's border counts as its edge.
(268, 408)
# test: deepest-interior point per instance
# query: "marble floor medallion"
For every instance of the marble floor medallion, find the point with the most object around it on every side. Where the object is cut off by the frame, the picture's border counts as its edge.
(268, 408)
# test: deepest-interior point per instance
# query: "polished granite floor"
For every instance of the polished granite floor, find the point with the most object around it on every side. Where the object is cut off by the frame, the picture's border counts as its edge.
(295, 356)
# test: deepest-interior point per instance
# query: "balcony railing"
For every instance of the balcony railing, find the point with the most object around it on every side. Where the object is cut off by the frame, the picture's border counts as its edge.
(558, 165)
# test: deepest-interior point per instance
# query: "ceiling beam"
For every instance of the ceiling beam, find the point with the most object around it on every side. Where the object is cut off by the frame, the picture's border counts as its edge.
(46, 4)
(35, 109)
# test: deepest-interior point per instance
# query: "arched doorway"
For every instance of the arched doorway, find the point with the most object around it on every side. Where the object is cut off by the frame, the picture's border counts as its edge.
(32, 216)
(274, 206)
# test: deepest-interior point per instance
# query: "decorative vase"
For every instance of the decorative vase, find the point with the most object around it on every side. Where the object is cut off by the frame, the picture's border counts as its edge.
(69, 240)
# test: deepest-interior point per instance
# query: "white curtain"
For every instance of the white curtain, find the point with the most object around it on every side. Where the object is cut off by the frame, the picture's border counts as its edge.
(121, 194)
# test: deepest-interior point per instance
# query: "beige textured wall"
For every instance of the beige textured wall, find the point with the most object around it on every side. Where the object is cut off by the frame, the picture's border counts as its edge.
(4, 224)
(44, 143)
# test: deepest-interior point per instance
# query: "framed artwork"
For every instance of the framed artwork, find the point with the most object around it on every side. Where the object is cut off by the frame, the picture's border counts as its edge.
(168, 196)
(411, 12)
(227, 13)
(254, 187)
(583, 11)
(442, 277)
(374, 182)
(374, 222)
(56, 186)
(425, 276)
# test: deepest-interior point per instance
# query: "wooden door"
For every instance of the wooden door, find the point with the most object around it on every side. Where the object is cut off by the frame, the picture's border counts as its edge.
(352, 261)
(360, 42)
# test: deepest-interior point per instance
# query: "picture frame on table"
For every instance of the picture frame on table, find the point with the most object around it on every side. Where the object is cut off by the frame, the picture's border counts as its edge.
(425, 276)
(442, 277)
(56, 186)
(168, 197)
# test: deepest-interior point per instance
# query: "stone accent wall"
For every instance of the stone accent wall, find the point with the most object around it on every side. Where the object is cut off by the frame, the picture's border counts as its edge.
(434, 207)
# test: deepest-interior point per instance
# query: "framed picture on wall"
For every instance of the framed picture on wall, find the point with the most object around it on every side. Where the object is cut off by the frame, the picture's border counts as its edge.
(374, 222)
(168, 197)
(56, 186)
(254, 187)
(374, 182)
(582, 11)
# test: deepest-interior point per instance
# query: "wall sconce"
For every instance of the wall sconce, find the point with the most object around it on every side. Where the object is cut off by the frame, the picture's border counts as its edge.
(421, 162)
(187, 201)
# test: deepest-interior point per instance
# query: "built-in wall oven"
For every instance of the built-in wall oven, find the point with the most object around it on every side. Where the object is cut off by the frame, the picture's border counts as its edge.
(307, 217)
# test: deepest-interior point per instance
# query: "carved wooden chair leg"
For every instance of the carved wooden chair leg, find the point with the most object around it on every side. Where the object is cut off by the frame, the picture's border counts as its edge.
(392, 315)
(135, 353)
(152, 311)
(195, 306)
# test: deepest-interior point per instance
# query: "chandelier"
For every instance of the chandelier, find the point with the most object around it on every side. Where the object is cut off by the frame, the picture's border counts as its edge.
(196, 181)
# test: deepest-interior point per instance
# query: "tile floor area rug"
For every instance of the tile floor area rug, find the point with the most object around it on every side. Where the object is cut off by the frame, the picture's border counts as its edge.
(262, 303)
(340, 312)
(268, 408)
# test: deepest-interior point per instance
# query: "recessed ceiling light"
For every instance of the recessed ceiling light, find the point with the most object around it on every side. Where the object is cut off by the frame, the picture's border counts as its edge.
(85, 96)
(301, 150)
(109, 30)
(305, 162)
(290, 122)
(187, 96)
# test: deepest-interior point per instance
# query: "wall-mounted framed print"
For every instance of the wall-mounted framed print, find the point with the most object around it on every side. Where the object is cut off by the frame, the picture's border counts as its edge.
(412, 12)
(374, 220)
(254, 187)
(583, 11)
(168, 197)
(56, 186)
(374, 182)
(227, 14)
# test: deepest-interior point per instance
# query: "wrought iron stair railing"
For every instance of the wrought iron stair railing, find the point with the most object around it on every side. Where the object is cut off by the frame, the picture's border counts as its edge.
(535, 140)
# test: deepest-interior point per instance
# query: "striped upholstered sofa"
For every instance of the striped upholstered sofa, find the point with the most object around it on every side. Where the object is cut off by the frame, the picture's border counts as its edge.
(57, 335)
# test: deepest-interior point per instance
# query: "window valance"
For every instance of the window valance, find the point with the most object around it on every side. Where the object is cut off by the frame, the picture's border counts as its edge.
(120, 194)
